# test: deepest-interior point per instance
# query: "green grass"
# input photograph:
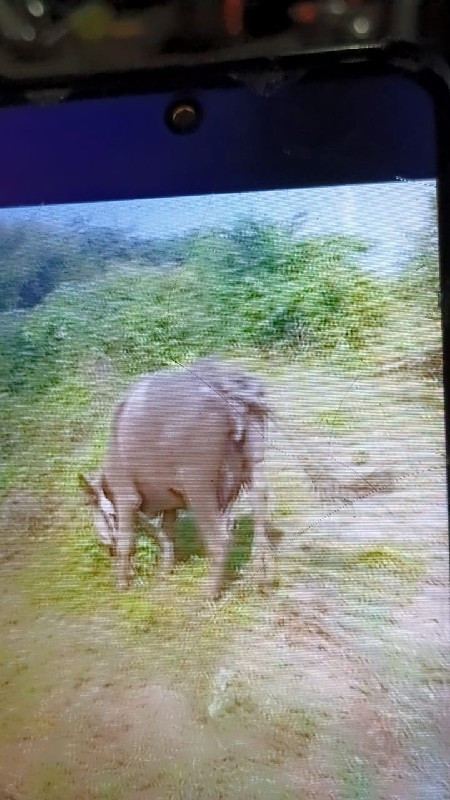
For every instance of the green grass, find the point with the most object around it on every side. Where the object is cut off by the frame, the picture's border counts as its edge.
(371, 581)
(388, 560)
(375, 581)
(335, 421)
(355, 779)
(360, 458)
(69, 573)
(284, 509)
(242, 546)
(344, 562)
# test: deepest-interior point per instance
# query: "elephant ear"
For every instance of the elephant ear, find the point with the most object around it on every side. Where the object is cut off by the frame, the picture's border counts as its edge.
(89, 490)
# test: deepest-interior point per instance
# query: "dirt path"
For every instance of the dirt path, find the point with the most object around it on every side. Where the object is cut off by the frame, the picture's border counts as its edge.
(335, 686)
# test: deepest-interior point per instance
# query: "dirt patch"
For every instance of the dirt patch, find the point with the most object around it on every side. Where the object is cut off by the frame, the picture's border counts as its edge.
(24, 517)
(99, 717)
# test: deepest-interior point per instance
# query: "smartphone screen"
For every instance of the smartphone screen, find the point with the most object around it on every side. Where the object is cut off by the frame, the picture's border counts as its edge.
(333, 682)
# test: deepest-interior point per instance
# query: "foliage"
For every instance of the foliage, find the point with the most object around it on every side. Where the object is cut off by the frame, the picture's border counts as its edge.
(418, 285)
(37, 258)
(251, 287)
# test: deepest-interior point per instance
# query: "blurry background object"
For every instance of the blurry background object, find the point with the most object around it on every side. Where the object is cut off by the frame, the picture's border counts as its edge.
(56, 43)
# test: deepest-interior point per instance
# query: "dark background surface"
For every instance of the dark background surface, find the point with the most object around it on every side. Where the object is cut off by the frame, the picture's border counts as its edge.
(376, 128)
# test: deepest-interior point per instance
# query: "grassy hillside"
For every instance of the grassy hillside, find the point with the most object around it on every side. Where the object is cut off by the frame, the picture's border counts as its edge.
(152, 693)
(251, 291)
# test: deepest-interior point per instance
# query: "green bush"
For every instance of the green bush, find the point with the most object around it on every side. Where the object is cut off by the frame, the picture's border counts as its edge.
(251, 287)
